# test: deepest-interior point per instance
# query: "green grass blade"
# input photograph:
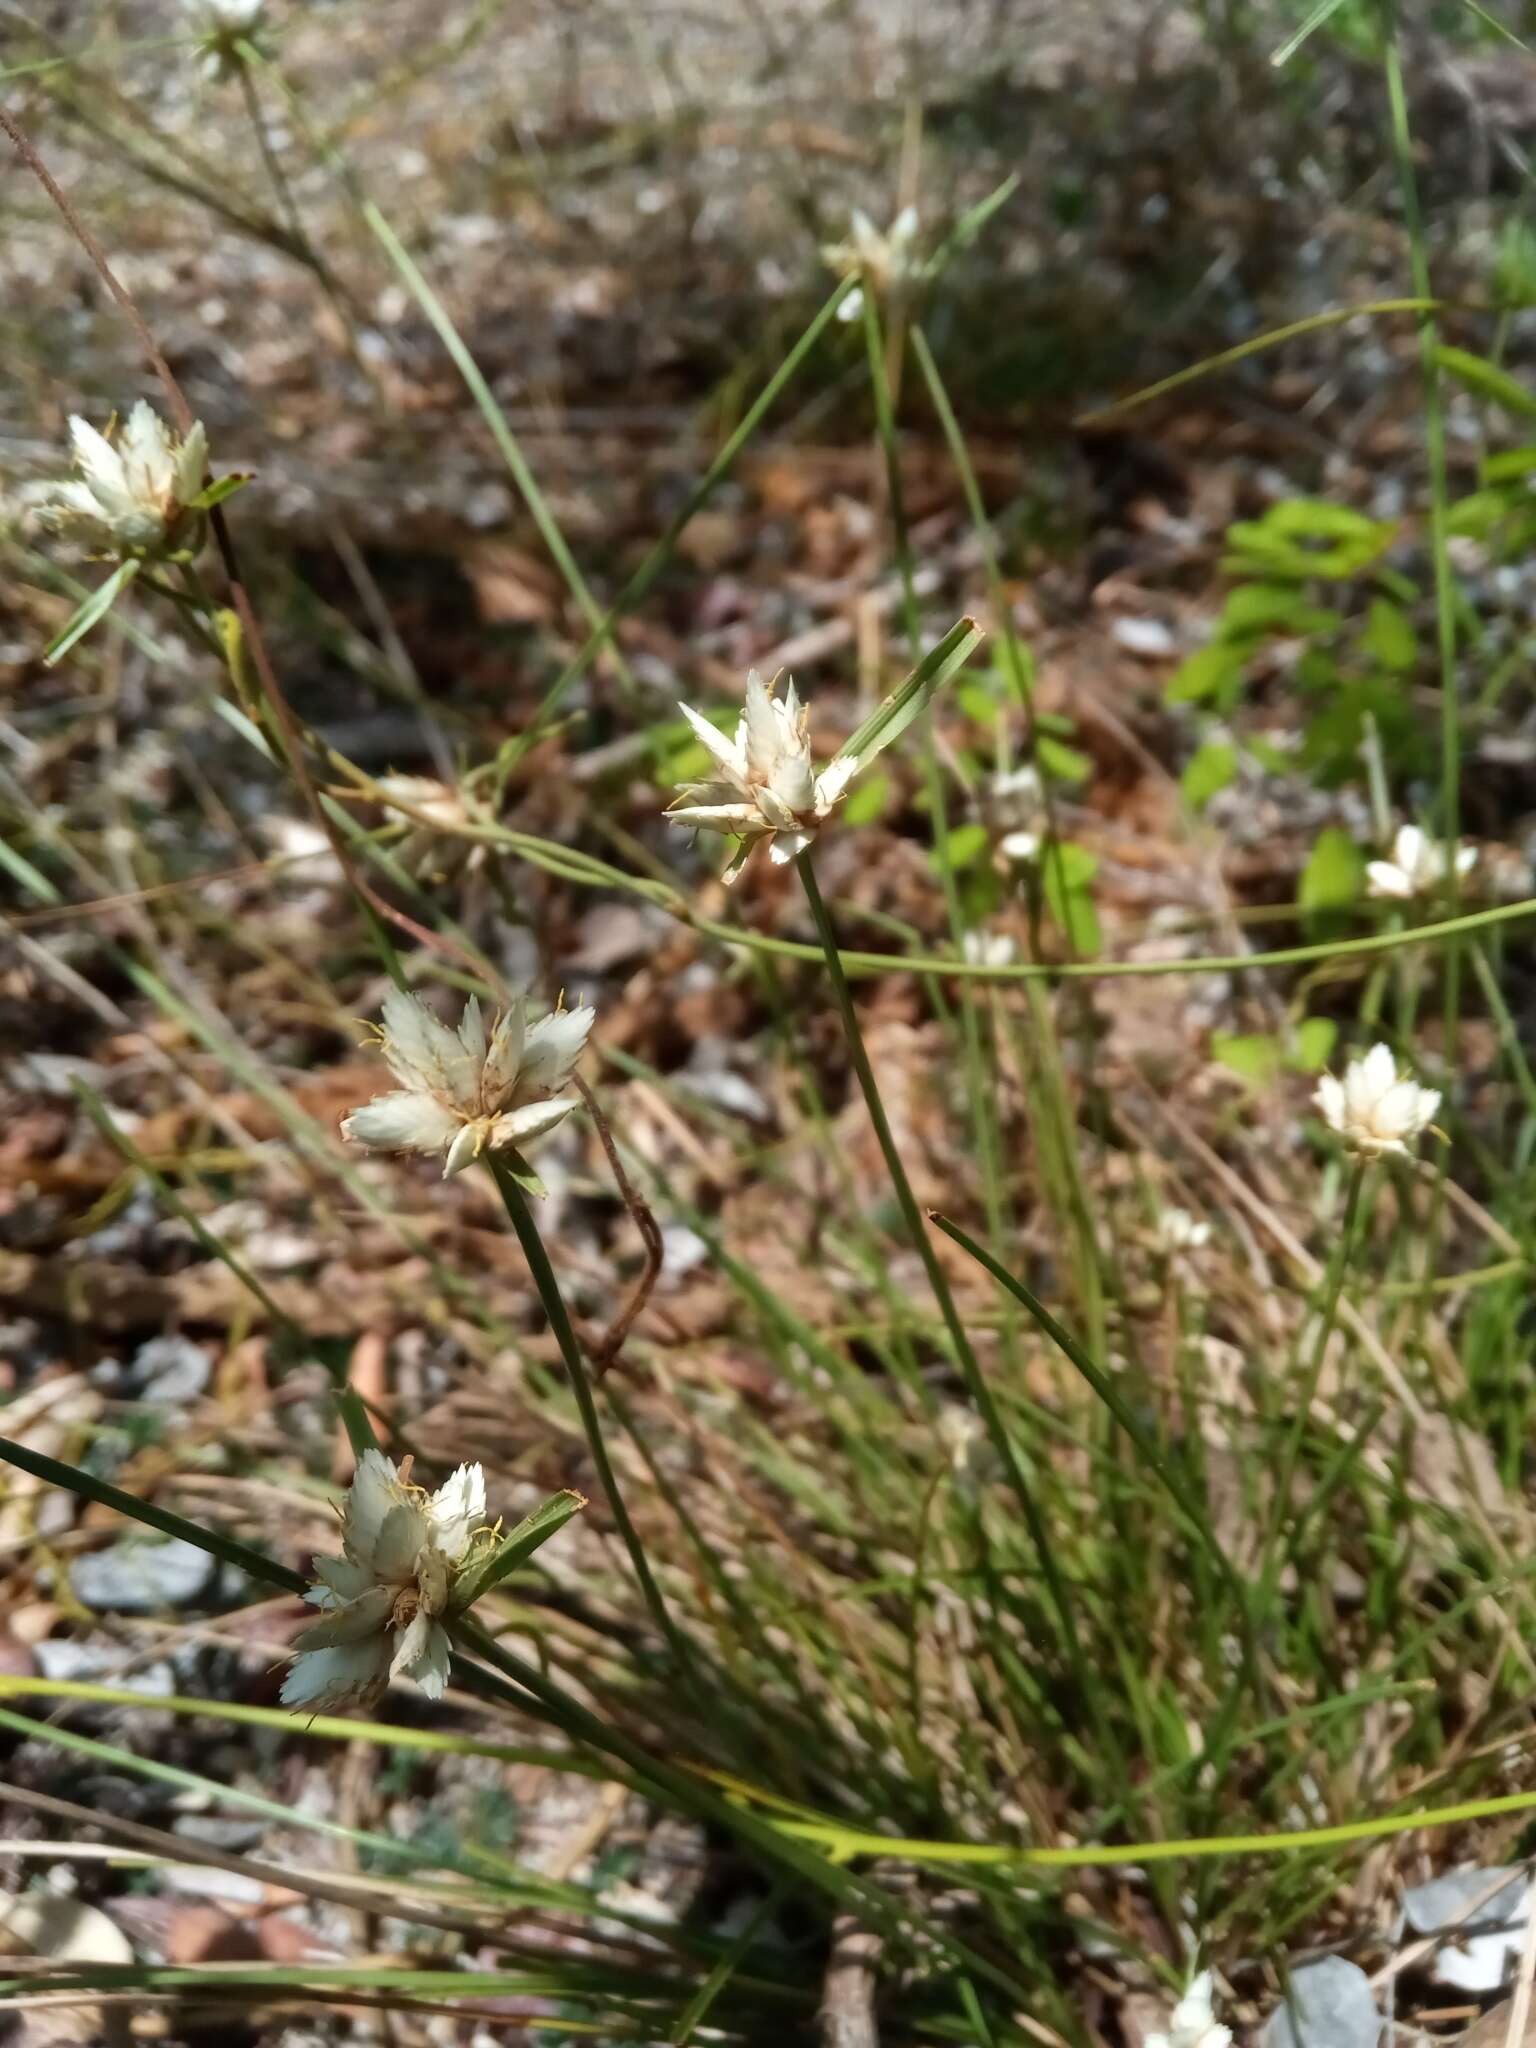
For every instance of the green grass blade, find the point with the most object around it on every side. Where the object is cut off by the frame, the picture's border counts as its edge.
(1225, 358)
(702, 491)
(91, 612)
(496, 420)
(515, 1549)
(890, 718)
(255, 1563)
(211, 1243)
(314, 1727)
(1102, 1385)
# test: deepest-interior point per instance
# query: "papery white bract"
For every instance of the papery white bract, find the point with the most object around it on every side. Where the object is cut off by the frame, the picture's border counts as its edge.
(1194, 2023)
(768, 786)
(384, 1597)
(470, 1091)
(131, 498)
(880, 262)
(1418, 866)
(1376, 1109)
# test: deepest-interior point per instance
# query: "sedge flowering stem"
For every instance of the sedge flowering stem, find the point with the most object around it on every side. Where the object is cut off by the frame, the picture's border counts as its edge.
(543, 1274)
(1333, 1294)
(965, 1356)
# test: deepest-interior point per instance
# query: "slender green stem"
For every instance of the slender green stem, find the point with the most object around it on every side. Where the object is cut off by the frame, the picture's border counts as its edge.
(54, 1472)
(980, 1095)
(286, 739)
(885, 430)
(1444, 578)
(211, 1243)
(1509, 1030)
(638, 584)
(501, 433)
(521, 1217)
(976, 1383)
(589, 872)
(1434, 443)
(277, 177)
(1276, 1549)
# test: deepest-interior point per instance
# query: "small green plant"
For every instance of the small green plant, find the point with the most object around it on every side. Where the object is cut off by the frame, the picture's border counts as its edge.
(1350, 659)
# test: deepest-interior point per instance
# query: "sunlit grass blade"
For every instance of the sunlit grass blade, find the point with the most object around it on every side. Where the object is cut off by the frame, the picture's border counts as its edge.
(848, 1842)
(91, 613)
(255, 1563)
(1103, 1386)
(316, 1727)
(496, 420)
(1225, 358)
(470, 1861)
(515, 1549)
(1320, 16)
(890, 718)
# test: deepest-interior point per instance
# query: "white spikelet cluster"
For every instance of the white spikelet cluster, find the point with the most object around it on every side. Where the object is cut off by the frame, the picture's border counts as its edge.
(767, 787)
(1376, 1109)
(470, 1091)
(881, 262)
(384, 1598)
(1194, 2023)
(1418, 866)
(133, 497)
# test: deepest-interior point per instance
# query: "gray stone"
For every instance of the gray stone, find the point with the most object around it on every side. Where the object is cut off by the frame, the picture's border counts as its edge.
(143, 1578)
(1488, 1932)
(206, 1881)
(1444, 1901)
(221, 1831)
(1147, 639)
(1329, 2006)
(102, 1663)
(171, 1369)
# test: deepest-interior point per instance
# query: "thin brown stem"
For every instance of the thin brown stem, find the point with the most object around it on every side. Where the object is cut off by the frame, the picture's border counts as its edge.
(285, 724)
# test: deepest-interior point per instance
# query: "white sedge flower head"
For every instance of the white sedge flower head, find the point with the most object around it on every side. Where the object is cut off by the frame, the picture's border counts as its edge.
(470, 1091)
(222, 24)
(1194, 2023)
(767, 787)
(233, 15)
(879, 261)
(1418, 866)
(1178, 1231)
(385, 1596)
(1376, 1109)
(131, 498)
(1016, 795)
(989, 949)
(1021, 849)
